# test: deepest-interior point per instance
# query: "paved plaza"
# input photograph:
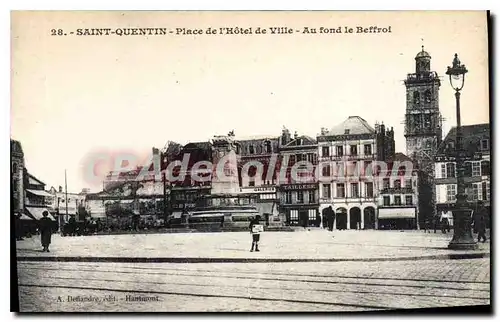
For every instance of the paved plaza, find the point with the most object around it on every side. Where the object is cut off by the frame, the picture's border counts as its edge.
(355, 271)
(313, 244)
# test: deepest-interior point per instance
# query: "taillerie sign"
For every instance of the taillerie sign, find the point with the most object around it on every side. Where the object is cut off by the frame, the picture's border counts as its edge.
(299, 186)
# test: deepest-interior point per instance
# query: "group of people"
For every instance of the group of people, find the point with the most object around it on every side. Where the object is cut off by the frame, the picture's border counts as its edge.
(478, 220)
(85, 227)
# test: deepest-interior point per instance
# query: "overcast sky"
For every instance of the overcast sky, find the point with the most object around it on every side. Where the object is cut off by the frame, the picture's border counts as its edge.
(72, 95)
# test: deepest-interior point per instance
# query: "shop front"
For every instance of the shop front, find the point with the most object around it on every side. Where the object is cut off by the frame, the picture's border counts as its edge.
(302, 215)
(397, 218)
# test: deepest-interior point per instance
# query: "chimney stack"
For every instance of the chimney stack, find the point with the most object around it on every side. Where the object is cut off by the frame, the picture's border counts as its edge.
(295, 135)
(60, 189)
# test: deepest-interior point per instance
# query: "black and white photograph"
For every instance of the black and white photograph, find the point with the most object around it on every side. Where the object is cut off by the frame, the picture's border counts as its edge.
(250, 161)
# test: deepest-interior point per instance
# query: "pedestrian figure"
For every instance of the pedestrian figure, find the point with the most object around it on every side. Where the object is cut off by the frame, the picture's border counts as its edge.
(480, 223)
(45, 225)
(481, 229)
(331, 217)
(72, 225)
(254, 230)
(445, 225)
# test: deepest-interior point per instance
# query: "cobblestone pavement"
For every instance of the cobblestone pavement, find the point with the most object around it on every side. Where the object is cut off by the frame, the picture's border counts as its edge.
(326, 287)
(314, 244)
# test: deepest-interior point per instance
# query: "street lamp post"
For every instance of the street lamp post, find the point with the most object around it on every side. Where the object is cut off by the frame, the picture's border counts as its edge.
(462, 234)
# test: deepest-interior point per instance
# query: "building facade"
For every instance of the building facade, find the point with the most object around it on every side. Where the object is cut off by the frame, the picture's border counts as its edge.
(346, 156)
(299, 193)
(477, 147)
(257, 172)
(187, 193)
(57, 204)
(398, 195)
(423, 123)
(36, 200)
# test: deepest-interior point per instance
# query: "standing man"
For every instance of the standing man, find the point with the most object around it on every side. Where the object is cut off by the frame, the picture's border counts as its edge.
(255, 231)
(72, 225)
(45, 226)
(480, 222)
(331, 218)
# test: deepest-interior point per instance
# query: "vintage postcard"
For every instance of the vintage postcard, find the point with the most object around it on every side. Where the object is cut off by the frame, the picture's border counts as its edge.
(279, 161)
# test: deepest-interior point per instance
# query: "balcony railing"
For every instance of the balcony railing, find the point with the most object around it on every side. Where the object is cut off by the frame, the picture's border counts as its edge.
(396, 190)
(395, 205)
(347, 157)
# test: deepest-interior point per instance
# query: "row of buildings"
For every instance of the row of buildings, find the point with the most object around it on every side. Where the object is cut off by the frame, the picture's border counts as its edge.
(349, 178)
(30, 196)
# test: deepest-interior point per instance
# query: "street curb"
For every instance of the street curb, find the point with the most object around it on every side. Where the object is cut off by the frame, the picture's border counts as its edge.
(241, 260)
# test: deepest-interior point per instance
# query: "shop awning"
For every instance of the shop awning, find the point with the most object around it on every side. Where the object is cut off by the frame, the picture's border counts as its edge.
(41, 193)
(25, 217)
(390, 213)
(38, 212)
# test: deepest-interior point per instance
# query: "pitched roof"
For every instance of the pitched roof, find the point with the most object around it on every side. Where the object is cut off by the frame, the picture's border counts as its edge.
(354, 125)
(33, 180)
(472, 137)
(205, 146)
(398, 156)
(301, 140)
(257, 138)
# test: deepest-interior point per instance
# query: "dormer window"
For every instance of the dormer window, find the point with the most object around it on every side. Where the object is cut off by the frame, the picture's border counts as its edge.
(451, 145)
(346, 131)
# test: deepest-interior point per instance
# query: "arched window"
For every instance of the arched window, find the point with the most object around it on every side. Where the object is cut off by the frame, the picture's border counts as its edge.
(14, 167)
(251, 149)
(450, 170)
(428, 96)
(416, 97)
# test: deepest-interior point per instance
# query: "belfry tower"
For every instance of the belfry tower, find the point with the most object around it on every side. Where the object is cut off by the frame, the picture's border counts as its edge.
(423, 127)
